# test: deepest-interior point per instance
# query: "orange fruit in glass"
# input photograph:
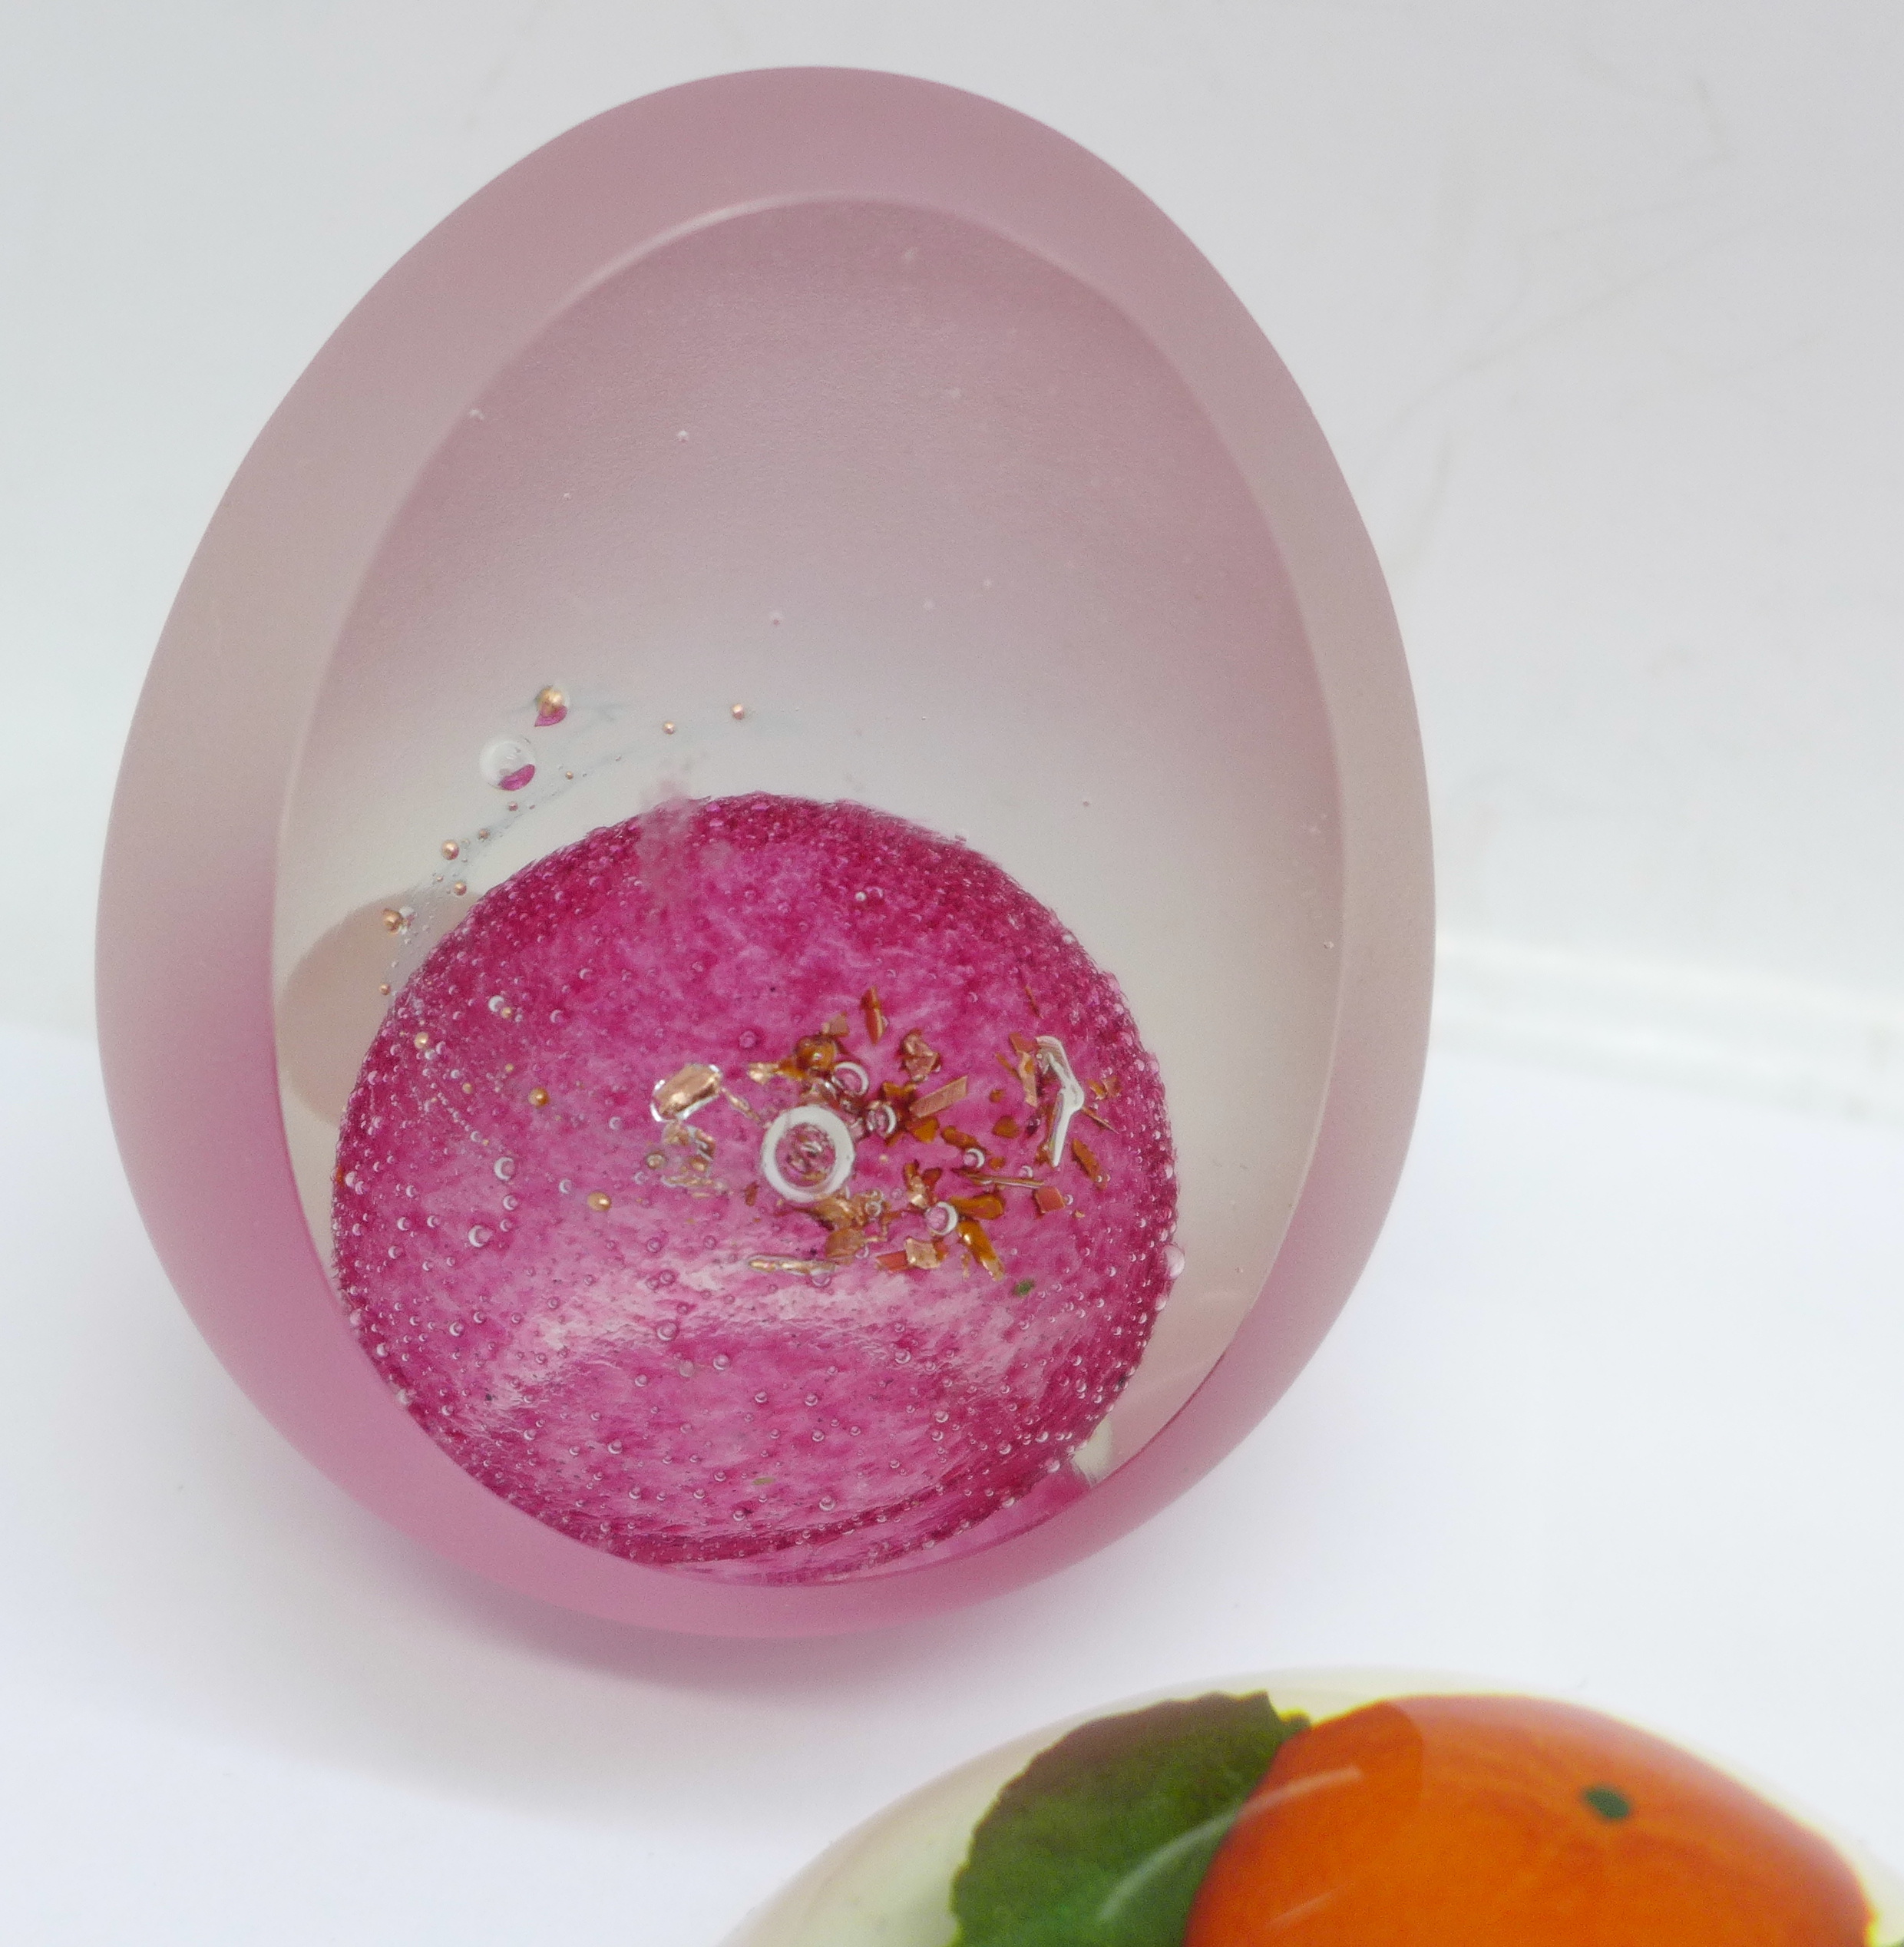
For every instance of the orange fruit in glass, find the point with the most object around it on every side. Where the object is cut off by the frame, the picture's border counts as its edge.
(1512, 1822)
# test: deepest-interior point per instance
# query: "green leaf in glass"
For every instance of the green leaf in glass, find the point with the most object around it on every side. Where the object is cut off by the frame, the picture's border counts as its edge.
(1102, 1840)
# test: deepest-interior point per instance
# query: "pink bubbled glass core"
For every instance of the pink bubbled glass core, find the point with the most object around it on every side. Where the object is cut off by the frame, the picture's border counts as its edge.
(761, 1187)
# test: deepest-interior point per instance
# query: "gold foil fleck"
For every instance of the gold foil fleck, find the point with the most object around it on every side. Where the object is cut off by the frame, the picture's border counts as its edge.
(685, 1090)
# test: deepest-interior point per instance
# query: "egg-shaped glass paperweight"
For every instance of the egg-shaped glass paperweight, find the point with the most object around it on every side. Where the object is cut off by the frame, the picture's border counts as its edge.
(788, 979)
(1339, 1810)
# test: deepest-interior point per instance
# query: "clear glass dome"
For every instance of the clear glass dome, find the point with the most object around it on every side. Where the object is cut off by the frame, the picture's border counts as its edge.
(841, 632)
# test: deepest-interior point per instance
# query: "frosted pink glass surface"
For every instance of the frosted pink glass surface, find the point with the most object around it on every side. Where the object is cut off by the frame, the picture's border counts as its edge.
(853, 441)
(609, 1315)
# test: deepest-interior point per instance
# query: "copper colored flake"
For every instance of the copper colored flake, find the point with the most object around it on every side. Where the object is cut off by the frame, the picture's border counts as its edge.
(925, 1253)
(917, 1056)
(839, 1026)
(539, 1097)
(988, 1205)
(839, 1213)
(1087, 1162)
(972, 1235)
(685, 1090)
(1049, 1198)
(941, 1098)
(1006, 1129)
(816, 1053)
(925, 1129)
(846, 1243)
(677, 1135)
(874, 1015)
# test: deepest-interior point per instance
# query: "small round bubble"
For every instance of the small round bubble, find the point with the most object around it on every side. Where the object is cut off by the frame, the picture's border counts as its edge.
(507, 763)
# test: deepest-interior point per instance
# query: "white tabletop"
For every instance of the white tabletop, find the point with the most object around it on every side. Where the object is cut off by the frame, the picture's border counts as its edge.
(1614, 1413)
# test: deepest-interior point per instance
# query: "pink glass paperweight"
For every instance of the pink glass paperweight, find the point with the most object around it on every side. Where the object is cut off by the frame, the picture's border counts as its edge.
(787, 981)
(1339, 1810)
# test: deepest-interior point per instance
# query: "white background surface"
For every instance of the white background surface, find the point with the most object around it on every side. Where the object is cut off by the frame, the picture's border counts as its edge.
(1601, 305)
(1598, 299)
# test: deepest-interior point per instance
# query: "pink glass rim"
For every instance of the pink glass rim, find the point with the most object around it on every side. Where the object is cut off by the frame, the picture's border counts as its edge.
(186, 1022)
